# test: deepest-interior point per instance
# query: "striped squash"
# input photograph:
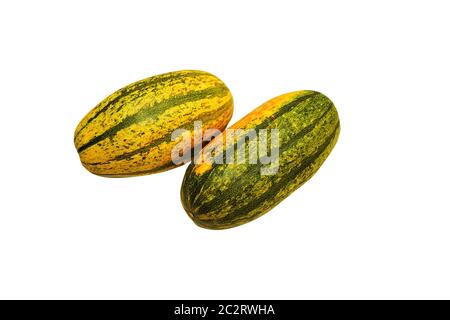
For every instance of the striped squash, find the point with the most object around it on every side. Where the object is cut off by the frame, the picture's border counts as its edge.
(220, 196)
(130, 132)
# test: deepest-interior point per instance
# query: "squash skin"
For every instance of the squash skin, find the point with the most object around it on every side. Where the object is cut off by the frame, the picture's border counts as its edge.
(129, 132)
(221, 196)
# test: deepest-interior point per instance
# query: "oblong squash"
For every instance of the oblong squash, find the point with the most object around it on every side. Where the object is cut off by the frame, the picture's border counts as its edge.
(220, 196)
(130, 132)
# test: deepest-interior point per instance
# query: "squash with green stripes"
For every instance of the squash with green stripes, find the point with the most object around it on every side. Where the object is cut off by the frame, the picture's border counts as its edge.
(220, 192)
(130, 132)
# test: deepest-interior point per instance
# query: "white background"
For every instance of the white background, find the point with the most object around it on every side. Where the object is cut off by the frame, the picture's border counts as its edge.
(374, 222)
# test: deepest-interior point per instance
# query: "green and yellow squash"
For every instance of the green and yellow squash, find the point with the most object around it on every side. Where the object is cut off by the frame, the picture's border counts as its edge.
(130, 132)
(224, 195)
